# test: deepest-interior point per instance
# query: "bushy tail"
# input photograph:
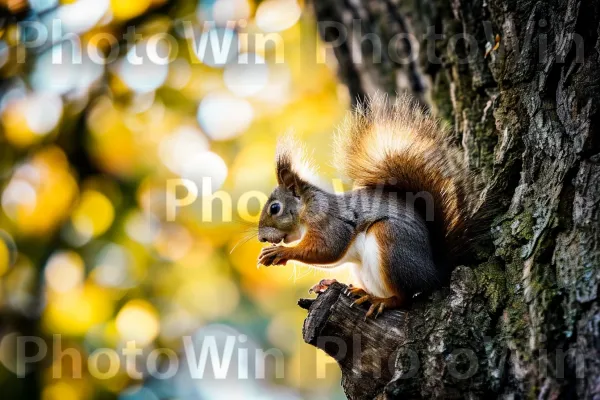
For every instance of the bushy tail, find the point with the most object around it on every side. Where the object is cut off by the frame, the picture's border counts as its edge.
(398, 145)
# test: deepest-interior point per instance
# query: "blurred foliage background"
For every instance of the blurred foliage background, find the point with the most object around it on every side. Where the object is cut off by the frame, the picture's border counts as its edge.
(86, 151)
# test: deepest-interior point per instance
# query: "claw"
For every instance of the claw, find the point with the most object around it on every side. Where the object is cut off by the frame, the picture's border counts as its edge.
(355, 292)
(347, 290)
(378, 304)
(361, 300)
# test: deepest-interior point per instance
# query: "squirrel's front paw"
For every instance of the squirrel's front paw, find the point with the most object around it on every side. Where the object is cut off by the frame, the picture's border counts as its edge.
(274, 255)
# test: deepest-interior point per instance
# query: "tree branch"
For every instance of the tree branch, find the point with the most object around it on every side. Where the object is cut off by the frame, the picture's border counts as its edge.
(435, 349)
(364, 349)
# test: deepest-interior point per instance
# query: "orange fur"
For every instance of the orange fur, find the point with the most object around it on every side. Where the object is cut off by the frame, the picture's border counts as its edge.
(384, 265)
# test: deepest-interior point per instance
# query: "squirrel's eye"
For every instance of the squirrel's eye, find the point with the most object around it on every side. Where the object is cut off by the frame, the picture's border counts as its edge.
(275, 208)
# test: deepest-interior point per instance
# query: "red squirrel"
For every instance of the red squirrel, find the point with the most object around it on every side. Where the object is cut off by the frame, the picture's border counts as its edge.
(403, 225)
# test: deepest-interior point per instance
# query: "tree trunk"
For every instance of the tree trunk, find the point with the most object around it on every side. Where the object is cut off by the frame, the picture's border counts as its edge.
(520, 83)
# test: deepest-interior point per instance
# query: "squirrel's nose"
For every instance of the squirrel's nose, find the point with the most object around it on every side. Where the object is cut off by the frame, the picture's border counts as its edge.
(262, 239)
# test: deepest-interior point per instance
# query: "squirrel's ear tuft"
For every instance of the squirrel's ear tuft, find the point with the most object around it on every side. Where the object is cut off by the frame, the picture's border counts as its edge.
(293, 171)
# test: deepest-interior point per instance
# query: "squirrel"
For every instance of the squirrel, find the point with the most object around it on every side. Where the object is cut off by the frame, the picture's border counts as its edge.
(405, 224)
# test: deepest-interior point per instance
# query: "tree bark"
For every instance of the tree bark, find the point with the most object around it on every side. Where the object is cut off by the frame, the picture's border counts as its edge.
(525, 322)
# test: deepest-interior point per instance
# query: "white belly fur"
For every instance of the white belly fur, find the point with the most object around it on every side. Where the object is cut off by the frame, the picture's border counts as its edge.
(363, 254)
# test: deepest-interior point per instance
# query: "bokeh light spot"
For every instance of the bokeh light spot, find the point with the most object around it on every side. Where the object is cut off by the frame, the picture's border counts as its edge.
(64, 271)
(126, 9)
(40, 193)
(63, 69)
(207, 167)
(277, 15)
(142, 227)
(224, 116)
(230, 10)
(60, 391)
(82, 15)
(182, 147)
(139, 72)
(113, 267)
(248, 76)
(94, 214)
(76, 311)
(138, 321)
(42, 123)
(19, 197)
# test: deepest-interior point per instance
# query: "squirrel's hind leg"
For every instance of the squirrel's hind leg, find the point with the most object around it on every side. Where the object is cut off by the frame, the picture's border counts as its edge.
(406, 256)
(395, 258)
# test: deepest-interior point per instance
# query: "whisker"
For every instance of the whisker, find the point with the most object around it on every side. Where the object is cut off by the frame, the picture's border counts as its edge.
(296, 271)
(248, 236)
(250, 228)
(242, 221)
(243, 241)
(307, 271)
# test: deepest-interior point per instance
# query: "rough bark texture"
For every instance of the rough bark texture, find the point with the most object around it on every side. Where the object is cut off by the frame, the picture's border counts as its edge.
(525, 323)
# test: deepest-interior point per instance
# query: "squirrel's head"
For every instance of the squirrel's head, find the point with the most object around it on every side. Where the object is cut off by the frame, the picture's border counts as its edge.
(280, 217)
